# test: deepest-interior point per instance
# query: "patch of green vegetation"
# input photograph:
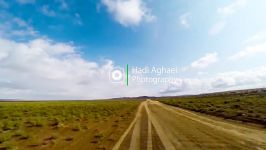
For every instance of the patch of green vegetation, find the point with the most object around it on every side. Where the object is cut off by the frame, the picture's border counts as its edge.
(5, 137)
(247, 107)
(7, 146)
(76, 127)
(20, 134)
(28, 124)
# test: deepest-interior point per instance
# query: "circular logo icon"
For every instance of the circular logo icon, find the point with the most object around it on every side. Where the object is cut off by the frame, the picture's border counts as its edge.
(117, 75)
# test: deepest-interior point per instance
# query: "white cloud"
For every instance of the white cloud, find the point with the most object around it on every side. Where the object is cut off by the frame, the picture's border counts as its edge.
(258, 37)
(63, 5)
(128, 12)
(44, 69)
(205, 61)
(77, 19)
(20, 22)
(248, 78)
(47, 11)
(217, 27)
(15, 27)
(184, 86)
(250, 51)
(226, 12)
(183, 19)
(23, 33)
(26, 1)
(252, 78)
(256, 46)
(232, 7)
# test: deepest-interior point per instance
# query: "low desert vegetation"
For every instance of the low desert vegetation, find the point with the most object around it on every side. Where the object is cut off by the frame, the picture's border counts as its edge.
(246, 106)
(64, 124)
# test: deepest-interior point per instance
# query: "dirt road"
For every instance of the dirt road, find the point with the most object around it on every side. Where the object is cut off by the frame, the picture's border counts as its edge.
(158, 126)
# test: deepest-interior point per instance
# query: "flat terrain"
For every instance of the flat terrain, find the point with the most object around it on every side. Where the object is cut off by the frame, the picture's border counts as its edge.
(158, 126)
(136, 124)
(68, 125)
(246, 105)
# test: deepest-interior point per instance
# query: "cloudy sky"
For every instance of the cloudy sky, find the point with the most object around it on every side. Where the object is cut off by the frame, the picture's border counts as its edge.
(65, 49)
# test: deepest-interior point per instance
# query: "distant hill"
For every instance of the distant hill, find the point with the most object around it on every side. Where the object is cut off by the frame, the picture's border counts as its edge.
(241, 92)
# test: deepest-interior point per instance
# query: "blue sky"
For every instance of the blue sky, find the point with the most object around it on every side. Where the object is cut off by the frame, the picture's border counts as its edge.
(217, 45)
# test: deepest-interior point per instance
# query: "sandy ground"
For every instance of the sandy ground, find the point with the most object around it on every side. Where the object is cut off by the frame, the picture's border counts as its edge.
(158, 126)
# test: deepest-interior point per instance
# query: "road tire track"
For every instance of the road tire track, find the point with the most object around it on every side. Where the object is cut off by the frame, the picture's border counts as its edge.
(122, 138)
(149, 142)
(144, 130)
(157, 126)
(135, 139)
(157, 143)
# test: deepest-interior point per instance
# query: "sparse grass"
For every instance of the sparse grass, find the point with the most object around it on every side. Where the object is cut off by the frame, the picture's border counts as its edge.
(69, 139)
(247, 107)
(21, 134)
(29, 125)
(5, 137)
(7, 146)
(98, 136)
(76, 127)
